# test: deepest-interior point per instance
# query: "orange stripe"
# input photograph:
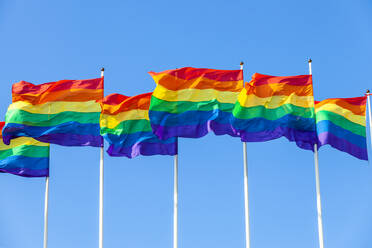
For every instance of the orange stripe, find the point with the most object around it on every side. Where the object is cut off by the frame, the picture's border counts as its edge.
(72, 95)
(173, 83)
(357, 105)
(136, 102)
(267, 90)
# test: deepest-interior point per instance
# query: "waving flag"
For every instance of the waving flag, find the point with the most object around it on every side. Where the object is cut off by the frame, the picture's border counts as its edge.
(24, 157)
(341, 123)
(64, 112)
(125, 125)
(190, 102)
(271, 107)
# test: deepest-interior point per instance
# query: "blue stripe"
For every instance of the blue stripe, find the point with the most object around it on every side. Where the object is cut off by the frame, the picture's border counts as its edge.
(12, 130)
(192, 124)
(24, 162)
(25, 166)
(262, 124)
(184, 119)
(328, 126)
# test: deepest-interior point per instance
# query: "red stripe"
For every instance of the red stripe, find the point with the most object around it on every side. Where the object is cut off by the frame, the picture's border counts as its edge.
(116, 103)
(361, 100)
(300, 80)
(2, 124)
(24, 87)
(114, 99)
(189, 73)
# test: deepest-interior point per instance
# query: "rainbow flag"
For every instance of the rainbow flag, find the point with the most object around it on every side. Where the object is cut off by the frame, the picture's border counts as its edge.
(64, 112)
(341, 123)
(24, 157)
(126, 126)
(270, 107)
(190, 102)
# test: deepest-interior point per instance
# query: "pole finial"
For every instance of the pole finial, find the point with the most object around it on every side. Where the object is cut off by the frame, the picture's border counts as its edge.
(310, 60)
(102, 69)
(242, 63)
(367, 91)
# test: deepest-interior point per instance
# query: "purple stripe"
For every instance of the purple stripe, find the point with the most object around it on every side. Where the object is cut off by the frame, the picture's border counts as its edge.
(189, 131)
(26, 172)
(222, 129)
(303, 139)
(68, 139)
(342, 145)
(143, 148)
(193, 131)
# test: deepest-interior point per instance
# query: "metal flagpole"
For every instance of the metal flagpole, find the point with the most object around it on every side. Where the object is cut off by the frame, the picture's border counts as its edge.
(46, 201)
(369, 114)
(175, 202)
(101, 190)
(246, 201)
(318, 202)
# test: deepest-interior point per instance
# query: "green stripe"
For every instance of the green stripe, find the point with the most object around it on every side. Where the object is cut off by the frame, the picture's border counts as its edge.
(26, 151)
(183, 106)
(127, 127)
(341, 122)
(272, 114)
(44, 120)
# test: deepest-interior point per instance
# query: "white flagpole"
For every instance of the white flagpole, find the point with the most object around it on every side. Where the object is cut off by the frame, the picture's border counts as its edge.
(369, 114)
(101, 167)
(246, 201)
(175, 202)
(46, 201)
(318, 202)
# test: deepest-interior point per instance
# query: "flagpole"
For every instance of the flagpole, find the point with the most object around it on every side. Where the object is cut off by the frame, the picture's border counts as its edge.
(246, 200)
(101, 170)
(369, 115)
(318, 201)
(175, 202)
(46, 201)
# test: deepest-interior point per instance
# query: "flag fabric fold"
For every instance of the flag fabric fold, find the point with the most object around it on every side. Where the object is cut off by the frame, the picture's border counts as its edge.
(125, 125)
(270, 107)
(190, 102)
(24, 156)
(65, 112)
(341, 123)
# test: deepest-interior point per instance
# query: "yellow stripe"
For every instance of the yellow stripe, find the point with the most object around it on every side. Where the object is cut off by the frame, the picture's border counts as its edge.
(22, 141)
(57, 107)
(274, 101)
(195, 95)
(111, 121)
(334, 108)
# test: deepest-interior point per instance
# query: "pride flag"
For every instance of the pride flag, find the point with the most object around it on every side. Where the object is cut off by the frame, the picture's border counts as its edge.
(64, 112)
(125, 125)
(271, 107)
(24, 157)
(341, 123)
(190, 102)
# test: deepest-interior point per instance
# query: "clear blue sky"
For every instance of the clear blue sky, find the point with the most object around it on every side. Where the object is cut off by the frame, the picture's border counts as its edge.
(44, 41)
